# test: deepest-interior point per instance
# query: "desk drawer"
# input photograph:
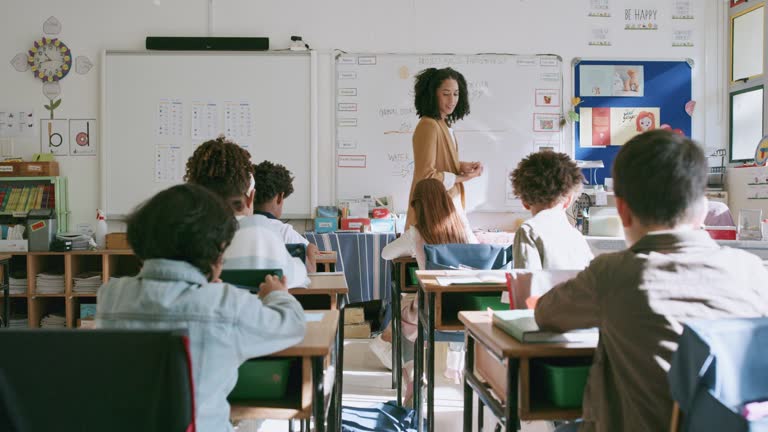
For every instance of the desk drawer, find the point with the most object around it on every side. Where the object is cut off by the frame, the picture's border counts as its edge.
(492, 371)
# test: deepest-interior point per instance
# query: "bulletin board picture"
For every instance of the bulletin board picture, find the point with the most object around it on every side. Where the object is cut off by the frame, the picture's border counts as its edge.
(621, 99)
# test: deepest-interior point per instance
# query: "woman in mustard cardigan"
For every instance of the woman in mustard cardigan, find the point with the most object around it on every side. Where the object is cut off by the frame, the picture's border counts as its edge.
(441, 99)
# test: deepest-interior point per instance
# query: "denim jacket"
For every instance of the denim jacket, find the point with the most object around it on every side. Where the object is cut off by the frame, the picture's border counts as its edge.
(226, 325)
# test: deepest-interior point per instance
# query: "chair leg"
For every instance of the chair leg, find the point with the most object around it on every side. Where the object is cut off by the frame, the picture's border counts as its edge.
(291, 426)
(675, 424)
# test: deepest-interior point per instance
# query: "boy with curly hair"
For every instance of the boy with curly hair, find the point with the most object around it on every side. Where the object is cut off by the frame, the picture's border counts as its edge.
(546, 182)
(274, 183)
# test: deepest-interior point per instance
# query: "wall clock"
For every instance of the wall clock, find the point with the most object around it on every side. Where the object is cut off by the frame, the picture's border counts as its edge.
(49, 59)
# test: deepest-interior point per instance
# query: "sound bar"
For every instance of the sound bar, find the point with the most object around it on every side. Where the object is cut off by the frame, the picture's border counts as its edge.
(207, 43)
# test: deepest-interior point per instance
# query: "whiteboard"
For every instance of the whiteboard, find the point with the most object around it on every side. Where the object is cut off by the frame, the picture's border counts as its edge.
(157, 107)
(515, 103)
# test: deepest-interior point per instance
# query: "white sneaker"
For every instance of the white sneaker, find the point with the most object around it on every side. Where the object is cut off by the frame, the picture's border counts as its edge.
(383, 351)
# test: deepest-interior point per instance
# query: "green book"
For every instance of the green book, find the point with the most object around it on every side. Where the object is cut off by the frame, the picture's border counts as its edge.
(520, 324)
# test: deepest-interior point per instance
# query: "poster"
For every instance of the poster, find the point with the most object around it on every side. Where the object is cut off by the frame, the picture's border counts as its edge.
(54, 137)
(238, 120)
(17, 123)
(546, 122)
(205, 121)
(612, 80)
(641, 17)
(682, 9)
(682, 38)
(547, 97)
(600, 36)
(83, 137)
(599, 8)
(170, 118)
(168, 163)
(600, 127)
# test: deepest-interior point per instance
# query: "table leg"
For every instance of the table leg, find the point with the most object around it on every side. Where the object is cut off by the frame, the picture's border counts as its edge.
(397, 368)
(291, 425)
(469, 395)
(512, 423)
(418, 365)
(318, 396)
(338, 386)
(6, 268)
(431, 363)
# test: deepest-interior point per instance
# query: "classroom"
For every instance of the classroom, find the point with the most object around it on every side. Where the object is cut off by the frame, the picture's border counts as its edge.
(511, 215)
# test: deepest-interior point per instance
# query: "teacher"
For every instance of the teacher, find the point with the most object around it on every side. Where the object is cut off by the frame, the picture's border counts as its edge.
(441, 100)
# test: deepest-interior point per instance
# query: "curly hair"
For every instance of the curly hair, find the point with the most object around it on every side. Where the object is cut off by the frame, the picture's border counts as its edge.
(425, 89)
(271, 179)
(185, 222)
(223, 167)
(545, 177)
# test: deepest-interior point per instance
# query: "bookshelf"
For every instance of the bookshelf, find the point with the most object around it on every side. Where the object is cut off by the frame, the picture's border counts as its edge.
(18, 195)
(111, 263)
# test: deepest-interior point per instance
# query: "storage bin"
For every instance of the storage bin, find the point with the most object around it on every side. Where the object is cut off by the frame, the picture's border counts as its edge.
(261, 379)
(564, 380)
(481, 302)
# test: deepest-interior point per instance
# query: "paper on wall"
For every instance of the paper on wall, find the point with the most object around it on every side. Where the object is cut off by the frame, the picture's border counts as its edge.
(612, 80)
(600, 127)
(170, 118)
(168, 163)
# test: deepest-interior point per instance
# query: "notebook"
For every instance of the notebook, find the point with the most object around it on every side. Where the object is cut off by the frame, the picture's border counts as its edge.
(248, 279)
(472, 278)
(521, 325)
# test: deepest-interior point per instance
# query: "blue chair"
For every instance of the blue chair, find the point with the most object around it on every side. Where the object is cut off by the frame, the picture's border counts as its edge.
(84, 380)
(718, 367)
(444, 257)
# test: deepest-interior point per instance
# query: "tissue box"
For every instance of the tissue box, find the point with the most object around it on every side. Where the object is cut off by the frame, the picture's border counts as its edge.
(354, 223)
(382, 225)
(327, 211)
(14, 245)
(326, 224)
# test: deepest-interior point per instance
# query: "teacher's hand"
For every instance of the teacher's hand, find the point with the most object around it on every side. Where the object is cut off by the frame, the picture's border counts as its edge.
(461, 178)
(468, 167)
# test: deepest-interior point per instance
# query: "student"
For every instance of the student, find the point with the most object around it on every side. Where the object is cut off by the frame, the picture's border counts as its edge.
(639, 298)
(547, 182)
(180, 235)
(274, 184)
(225, 168)
(437, 221)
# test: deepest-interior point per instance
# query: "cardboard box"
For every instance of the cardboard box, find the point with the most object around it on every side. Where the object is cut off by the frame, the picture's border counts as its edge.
(383, 225)
(354, 223)
(14, 246)
(86, 323)
(358, 331)
(29, 169)
(118, 240)
(325, 225)
(354, 315)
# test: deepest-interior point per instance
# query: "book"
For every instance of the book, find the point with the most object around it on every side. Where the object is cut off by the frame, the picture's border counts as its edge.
(472, 278)
(521, 325)
(13, 200)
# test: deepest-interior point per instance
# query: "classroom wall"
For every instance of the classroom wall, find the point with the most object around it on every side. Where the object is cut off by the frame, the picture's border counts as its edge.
(418, 26)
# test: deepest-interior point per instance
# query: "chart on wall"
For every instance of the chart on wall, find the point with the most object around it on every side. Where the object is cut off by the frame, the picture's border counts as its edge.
(516, 108)
(620, 99)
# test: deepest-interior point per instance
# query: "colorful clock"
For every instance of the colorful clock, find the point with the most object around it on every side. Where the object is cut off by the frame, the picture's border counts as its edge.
(761, 152)
(50, 59)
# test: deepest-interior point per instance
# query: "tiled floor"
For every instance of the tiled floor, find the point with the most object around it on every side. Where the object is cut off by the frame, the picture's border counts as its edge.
(366, 383)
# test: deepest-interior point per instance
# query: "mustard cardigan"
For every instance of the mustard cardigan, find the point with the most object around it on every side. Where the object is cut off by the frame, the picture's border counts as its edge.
(434, 153)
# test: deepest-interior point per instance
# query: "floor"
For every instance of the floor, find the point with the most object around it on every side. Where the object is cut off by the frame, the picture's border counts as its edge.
(367, 382)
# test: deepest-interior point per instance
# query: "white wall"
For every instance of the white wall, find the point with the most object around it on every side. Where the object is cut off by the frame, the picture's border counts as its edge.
(510, 26)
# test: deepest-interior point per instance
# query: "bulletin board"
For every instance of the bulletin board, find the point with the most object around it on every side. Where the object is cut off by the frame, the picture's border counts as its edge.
(620, 99)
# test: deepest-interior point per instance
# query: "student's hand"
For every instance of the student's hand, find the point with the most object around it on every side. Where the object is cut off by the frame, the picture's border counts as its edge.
(272, 283)
(311, 258)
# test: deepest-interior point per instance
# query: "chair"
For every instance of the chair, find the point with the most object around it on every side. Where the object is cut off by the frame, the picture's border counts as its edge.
(718, 367)
(116, 380)
(297, 250)
(476, 256)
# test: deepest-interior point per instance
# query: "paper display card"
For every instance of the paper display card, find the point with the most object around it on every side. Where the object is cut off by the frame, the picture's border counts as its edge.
(682, 38)
(205, 121)
(546, 122)
(611, 80)
(54, 137)
(641, 15)
(547, 97)
(600, 36)
(168, 163)
(17, 123)
(83, 137)
(170, 118)
(599, 8)
(600, 127)
(682, 9)
(238, 120)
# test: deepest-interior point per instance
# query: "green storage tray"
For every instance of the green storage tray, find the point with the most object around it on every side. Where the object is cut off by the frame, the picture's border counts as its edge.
(262, 379)
(564, 380)
(481, 302)
(412, 280)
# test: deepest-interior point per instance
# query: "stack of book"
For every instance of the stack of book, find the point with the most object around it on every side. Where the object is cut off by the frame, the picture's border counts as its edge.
(79, 241)
(17, 285)
(54, 320)
(521, 324)
(23, 198)
(87, 283)
(50, 283)
(18, 321)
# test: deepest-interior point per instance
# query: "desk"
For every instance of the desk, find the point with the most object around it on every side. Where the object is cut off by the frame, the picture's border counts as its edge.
(314, 352)
(5, 261)
(333, 285)
(432, 298)
(400, 285)
(505, 364)
(326, 259)
(359, 257)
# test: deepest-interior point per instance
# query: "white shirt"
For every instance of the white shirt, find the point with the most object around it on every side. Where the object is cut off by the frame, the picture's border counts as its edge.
(284, 230)
(548, 241)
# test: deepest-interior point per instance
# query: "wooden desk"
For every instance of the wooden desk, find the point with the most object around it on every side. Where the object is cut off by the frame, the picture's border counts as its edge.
(333, 285)
(505, 365)
(326, 259)
(400, 285)
(314, 353)
(5, 261)
(432, 297)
